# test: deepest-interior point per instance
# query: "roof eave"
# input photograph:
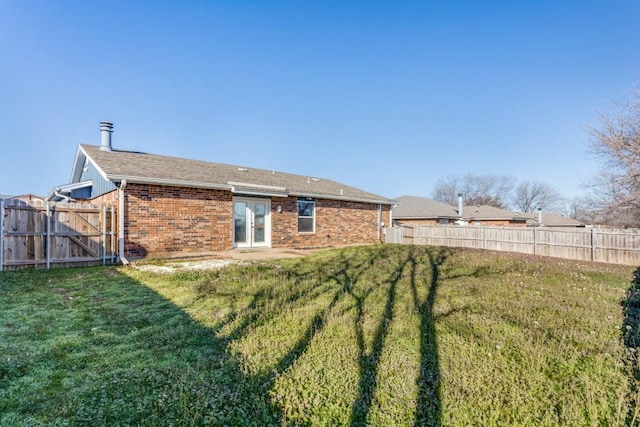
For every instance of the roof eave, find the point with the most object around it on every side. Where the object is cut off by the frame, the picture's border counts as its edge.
(168, 182)
(342, 198)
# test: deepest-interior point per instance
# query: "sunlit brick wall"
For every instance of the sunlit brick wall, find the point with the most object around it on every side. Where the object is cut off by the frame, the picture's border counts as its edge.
(337, 223)
(163, 220)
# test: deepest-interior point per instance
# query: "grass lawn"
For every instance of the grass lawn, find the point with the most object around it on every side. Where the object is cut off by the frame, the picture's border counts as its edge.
(374, 335)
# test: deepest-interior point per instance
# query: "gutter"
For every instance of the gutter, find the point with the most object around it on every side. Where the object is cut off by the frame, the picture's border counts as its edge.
(62, 196)
(343, 198)
(167, 182)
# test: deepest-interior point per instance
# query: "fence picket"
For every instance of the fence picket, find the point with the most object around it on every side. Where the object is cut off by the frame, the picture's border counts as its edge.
(55, 234)
(588, 244)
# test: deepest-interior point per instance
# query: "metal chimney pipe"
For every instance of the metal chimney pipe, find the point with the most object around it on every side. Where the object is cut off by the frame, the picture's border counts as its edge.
(460, 204)
(106, 129)
(540, 216)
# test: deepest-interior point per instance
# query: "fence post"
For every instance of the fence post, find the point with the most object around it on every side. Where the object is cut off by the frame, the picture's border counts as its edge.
(534, 240)
(112, 233)
(593, 246)
(48, 231)
(104, 235)
(1, 234)
(484, 237)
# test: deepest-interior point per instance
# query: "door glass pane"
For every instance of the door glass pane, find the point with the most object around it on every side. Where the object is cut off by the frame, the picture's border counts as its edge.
(259, 213)
(240, 222)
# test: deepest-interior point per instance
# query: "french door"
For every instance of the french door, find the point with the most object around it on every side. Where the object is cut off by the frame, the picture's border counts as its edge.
(251, 223)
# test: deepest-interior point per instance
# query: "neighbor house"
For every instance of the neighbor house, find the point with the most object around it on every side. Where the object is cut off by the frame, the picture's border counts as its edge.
(168, 205)
(550, 219)
(412, 210)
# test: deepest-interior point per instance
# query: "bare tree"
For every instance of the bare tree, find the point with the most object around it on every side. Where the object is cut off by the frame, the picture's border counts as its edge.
(581, 208)
(446, 190)
(490, 190)
(530, 196)
(616, 144)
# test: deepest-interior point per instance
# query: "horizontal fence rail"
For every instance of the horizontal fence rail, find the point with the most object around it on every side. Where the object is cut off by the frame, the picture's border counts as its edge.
(588, 244)
(43, 235)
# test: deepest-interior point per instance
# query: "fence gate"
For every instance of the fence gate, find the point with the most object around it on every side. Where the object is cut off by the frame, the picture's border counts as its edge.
(44, 235)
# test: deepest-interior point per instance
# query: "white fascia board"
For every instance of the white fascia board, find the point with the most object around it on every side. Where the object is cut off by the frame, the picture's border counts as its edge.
(342, 198)
(167, 182)
(260, 186)
(66, 189)
(250, 192)
(78, 166)
(75, 185)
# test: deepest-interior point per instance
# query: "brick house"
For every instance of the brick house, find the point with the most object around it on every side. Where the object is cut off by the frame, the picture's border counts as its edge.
(413, 210)
(170, 206)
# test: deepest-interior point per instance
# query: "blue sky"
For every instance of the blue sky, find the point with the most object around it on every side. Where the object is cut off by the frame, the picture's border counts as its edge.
(385, 96)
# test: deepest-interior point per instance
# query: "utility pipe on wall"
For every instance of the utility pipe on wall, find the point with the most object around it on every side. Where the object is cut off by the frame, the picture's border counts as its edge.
(123, 185)
(379, 221)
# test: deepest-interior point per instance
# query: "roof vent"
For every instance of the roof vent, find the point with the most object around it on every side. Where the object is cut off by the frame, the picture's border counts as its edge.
(243, 169)
(106, 129)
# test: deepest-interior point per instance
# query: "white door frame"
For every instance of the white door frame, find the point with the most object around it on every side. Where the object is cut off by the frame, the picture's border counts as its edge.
(251, 222)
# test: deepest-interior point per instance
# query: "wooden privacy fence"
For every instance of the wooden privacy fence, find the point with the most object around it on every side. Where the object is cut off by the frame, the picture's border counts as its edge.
(44, 235)
(589, 244)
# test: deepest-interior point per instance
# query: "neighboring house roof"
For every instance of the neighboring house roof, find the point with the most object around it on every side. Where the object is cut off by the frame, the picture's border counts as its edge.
(136, 167)
(27, 197)
(486, 213)
(413, 207)
(550, 219)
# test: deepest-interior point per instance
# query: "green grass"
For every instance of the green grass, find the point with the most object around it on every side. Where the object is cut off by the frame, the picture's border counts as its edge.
(375, 335)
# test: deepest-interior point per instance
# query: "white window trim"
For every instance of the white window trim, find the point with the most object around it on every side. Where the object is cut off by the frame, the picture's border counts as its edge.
(298, 216)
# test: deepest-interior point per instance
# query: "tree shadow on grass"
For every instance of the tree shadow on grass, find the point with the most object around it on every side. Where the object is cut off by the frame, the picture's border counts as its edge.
(96, 347)
(369, 362)
(631, 337)
(114, 351)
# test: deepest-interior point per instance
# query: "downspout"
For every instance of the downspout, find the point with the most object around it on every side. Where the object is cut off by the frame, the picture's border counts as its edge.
(62, 196)
(379, 221)
(123, 185)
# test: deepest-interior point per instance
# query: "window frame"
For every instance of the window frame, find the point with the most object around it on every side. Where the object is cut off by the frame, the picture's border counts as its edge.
(313, 216)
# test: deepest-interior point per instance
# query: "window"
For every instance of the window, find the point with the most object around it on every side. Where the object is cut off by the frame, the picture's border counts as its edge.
(306, 216)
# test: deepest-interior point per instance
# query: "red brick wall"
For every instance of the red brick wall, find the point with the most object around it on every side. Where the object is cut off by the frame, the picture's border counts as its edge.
(498, 223)
(162, 220)
(414, 222)
(487, 223)
(337, 223)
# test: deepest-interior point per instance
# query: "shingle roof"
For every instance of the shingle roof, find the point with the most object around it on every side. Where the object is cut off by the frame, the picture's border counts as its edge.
(412, 207)
(151, 168)
(486, 212)
(550, 219)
